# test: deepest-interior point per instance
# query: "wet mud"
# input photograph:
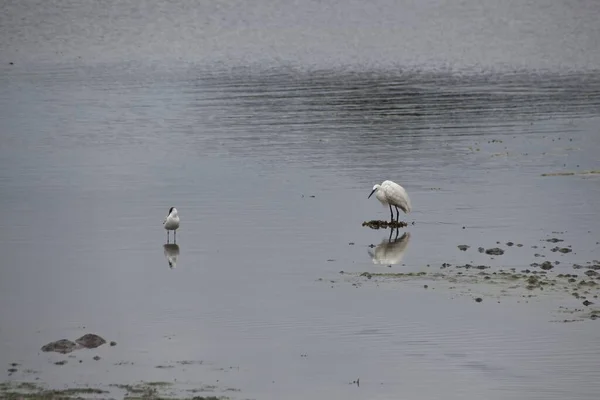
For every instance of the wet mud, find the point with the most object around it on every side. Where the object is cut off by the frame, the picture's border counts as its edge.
(143, 390)
(576, 284)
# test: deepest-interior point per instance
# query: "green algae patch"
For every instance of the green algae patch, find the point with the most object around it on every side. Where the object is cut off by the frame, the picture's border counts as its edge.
(370, 275)
(571, 173)
(33, 391)
(378, 224)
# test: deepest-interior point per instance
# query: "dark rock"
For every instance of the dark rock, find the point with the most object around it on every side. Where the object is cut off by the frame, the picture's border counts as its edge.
(563, 250)
(494, 251)
(366, 274)
(463, 247)
(510, 244)
(554, 240)
(587, 303)
(519, 245)
(591, 273)
(96, 358)
(90, 341)
(479, 299)
(63, 362)
(425, 286)
(63, 346)
(481, 249)
(546, 265)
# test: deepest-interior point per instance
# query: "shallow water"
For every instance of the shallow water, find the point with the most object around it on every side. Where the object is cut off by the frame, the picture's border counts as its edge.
(238, 130)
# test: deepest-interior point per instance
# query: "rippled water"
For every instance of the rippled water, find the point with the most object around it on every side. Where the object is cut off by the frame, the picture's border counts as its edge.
(266, 125)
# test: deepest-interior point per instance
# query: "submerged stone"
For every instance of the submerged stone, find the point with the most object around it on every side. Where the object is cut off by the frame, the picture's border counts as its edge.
(63, 346)
(90, 341)
(495, 251)
(546, 265)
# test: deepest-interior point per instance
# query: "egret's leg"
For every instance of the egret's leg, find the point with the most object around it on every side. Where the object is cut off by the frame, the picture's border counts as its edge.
(391, 213)
(390, 238)
(397, 233)
(167, 237)
(397, 213)
(175, 236)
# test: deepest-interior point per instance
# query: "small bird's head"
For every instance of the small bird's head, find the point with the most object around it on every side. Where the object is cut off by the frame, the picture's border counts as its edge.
(172, 211)
(377, 186)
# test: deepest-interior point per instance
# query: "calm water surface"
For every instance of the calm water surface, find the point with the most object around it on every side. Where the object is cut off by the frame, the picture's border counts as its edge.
(266, 125)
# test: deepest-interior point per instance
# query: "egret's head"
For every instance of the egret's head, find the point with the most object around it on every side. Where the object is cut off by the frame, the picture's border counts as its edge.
(172, 211)
(374, 190)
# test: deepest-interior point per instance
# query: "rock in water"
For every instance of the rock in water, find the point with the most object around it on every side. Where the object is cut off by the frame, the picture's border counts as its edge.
(495, 251)
(63, 346)
(90, 341)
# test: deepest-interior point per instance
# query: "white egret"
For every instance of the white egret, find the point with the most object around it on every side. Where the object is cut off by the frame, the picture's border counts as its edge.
(171, 223)
(171, 252)
(390, 252)
(392, 194)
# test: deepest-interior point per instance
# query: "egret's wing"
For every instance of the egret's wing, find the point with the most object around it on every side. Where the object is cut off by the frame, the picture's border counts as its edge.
(397, 195)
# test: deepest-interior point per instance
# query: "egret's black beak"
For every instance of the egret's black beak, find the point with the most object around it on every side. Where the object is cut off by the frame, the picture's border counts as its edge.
(371, 193)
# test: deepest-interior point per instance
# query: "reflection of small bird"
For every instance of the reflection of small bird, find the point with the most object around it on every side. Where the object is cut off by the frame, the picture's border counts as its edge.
(390, 252)
(171, 223)
(171, 252)
(392, 194)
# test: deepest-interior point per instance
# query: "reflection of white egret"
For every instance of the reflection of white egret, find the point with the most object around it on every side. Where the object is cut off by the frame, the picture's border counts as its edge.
(392, 194)
(171, 252)
(171, 223)
(389, 251)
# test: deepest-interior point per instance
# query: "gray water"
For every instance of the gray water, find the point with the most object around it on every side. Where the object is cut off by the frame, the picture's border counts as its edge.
(237, 113)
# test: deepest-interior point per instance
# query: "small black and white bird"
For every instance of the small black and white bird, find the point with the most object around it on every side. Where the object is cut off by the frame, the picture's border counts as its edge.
(171, 223)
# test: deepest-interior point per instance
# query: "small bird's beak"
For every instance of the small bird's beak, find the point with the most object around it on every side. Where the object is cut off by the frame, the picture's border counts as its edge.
(371, 193)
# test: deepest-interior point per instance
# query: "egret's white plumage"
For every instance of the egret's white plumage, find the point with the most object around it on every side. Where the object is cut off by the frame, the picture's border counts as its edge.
(391, 194)
(171, 252)
(171, 223)
(390, 252)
